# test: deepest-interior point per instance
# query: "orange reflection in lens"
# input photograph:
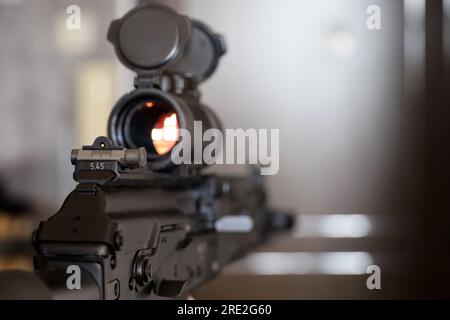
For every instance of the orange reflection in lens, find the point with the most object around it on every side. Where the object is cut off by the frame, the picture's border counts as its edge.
(165, 133)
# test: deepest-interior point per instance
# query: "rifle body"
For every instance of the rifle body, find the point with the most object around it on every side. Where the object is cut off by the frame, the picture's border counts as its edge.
(149, 238)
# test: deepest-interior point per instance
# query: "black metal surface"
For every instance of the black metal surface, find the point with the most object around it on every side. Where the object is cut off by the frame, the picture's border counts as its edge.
(82, 219)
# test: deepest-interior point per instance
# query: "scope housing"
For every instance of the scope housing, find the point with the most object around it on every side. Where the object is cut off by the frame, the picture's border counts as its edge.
(136, 115)
(171, 55)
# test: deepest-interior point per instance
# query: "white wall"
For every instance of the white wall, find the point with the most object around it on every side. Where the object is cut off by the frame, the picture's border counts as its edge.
(313, 70)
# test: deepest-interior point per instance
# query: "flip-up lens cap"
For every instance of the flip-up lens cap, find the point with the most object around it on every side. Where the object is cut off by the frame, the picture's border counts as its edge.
(150, 38)
(202, 53)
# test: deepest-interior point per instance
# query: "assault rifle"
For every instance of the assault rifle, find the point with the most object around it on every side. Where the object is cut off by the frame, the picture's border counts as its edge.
(138, 226)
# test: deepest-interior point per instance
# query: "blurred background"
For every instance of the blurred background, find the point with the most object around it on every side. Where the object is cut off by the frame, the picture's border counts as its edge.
(364, 132)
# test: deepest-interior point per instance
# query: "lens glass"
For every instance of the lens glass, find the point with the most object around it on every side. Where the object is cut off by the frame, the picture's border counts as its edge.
(152, 124)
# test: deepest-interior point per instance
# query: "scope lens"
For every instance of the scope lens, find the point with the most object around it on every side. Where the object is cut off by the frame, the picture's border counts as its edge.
(152, 124)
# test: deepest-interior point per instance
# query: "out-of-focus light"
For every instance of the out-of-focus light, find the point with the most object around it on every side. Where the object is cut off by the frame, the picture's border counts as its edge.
(344, 262)
(342, 43)
(234, 223)
(94, 82)
(345, 225)
(291, 263)
(333, 226)
(276, 263)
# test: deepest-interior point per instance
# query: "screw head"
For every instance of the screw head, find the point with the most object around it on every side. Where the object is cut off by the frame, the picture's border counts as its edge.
(144, 272)
(119, 240)
(113, 262)
(132, 284)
